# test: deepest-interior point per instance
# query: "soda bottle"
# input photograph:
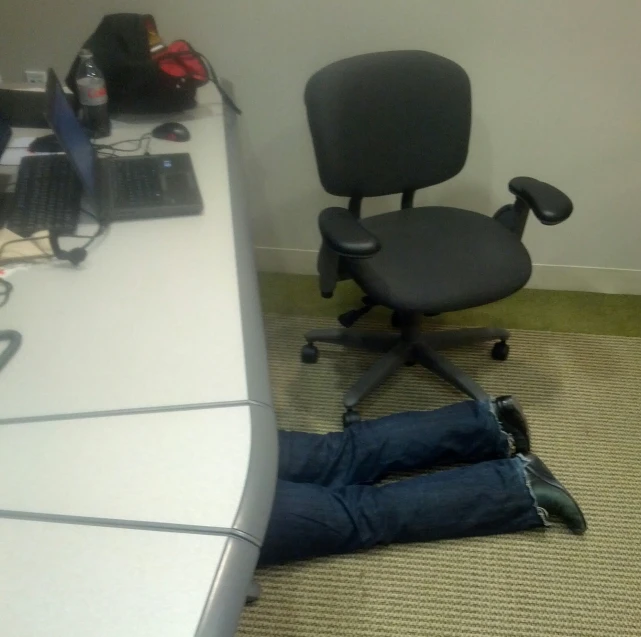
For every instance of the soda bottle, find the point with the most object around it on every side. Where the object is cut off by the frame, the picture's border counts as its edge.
(92, 95)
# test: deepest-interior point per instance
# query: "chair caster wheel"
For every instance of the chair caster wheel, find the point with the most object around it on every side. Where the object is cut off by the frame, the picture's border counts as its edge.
(351, 417)
(309, 353)
(500, 351)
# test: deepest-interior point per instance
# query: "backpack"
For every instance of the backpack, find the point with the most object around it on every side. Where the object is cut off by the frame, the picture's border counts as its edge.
(142, 74)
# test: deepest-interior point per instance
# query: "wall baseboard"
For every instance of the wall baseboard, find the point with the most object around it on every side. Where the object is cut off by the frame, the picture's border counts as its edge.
(544, 277)
(286, 260)
(585, 279)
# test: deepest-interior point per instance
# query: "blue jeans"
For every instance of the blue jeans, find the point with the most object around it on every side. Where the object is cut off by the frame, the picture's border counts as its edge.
(326, 500)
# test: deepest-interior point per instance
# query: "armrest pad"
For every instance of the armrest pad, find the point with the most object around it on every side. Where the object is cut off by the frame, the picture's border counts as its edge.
(345, 235)
(548, 203)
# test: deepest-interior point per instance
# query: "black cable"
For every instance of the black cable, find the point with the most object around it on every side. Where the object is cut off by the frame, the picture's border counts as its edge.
(216, 82)
(76, 255)
(136, 140)
(102, 226)
(5, 292)
(13, 340)
(211, 74)
(30, 259)
(112, 150)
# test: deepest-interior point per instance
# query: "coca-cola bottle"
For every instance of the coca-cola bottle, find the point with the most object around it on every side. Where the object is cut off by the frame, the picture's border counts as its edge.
(92, 95)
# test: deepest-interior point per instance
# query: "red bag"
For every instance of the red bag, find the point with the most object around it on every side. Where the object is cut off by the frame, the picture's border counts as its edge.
(180, 60)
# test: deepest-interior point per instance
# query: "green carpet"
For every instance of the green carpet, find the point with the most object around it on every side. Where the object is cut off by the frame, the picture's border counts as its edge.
(577, 312)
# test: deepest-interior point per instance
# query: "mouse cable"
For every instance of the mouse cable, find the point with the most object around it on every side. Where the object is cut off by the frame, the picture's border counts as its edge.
(115, 145)
(112, 150)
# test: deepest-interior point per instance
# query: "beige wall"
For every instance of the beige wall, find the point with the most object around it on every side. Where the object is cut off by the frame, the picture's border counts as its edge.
(557, 95)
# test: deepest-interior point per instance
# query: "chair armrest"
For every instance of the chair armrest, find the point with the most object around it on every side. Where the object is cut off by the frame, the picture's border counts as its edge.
(345, 235)
(548, 203)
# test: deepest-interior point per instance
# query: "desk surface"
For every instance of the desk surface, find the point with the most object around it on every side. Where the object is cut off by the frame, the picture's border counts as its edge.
(73, 581)
(201, 469)
(163, 313)
(136, 420)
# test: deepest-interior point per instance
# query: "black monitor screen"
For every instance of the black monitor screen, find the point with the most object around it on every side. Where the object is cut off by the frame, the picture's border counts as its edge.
(71, 135)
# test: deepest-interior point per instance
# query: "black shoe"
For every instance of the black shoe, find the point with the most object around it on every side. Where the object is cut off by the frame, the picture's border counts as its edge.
(552, 496)
(513, 422)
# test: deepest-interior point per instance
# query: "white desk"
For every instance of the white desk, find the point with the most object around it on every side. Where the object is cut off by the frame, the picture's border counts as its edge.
(67, 580)
(136, 422)
(208, 470)
(163, 313)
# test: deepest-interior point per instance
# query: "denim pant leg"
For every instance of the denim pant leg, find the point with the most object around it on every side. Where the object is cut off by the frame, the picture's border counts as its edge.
(465, 432)
(311, 520)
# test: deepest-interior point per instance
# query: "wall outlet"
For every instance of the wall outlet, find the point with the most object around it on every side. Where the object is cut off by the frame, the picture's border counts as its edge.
(35, 77)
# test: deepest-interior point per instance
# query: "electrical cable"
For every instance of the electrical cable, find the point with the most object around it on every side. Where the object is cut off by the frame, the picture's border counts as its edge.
(216, 82)
(112, 150)
(29, 259)
(211, 74)
(54, 239)
(102, 227)
(6, 288)
(14, 340)
(76, 255)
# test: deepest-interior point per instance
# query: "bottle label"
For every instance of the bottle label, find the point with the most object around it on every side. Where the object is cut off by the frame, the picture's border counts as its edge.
(92, 94)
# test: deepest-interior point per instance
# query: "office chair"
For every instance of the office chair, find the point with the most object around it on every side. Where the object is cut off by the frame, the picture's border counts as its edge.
(394, 122)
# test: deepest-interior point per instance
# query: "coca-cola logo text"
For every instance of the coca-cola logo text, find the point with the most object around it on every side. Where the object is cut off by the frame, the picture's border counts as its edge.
(94, 93)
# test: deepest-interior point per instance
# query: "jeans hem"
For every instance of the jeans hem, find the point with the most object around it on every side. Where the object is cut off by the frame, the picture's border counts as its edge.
(542, 513)
(506, 437)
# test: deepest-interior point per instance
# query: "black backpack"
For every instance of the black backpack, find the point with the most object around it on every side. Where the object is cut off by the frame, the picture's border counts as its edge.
(136, 81)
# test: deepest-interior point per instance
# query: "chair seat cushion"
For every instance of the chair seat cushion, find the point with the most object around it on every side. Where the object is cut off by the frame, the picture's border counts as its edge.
(437, 259)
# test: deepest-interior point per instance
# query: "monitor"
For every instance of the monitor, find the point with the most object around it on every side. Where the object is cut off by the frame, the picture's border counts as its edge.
(71, 135)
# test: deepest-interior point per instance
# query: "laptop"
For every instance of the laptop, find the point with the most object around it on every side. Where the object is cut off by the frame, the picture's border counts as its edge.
(51, 189)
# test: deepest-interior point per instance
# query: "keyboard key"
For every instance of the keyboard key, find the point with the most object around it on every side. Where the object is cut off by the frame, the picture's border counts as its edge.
(137, 183)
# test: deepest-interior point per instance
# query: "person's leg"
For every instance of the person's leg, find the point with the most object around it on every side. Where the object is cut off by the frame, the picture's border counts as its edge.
(487, 498)
(465, 432)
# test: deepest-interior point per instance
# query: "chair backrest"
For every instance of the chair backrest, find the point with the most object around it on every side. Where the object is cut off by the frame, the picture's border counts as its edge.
(385, 123)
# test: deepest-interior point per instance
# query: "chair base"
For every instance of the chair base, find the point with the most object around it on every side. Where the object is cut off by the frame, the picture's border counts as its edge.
(409, 347)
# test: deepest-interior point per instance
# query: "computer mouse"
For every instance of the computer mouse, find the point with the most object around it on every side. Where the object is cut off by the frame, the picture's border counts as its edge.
(171, 131)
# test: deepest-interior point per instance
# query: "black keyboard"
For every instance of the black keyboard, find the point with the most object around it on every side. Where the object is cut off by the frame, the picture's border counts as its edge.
(47, 197)
(136, 183)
